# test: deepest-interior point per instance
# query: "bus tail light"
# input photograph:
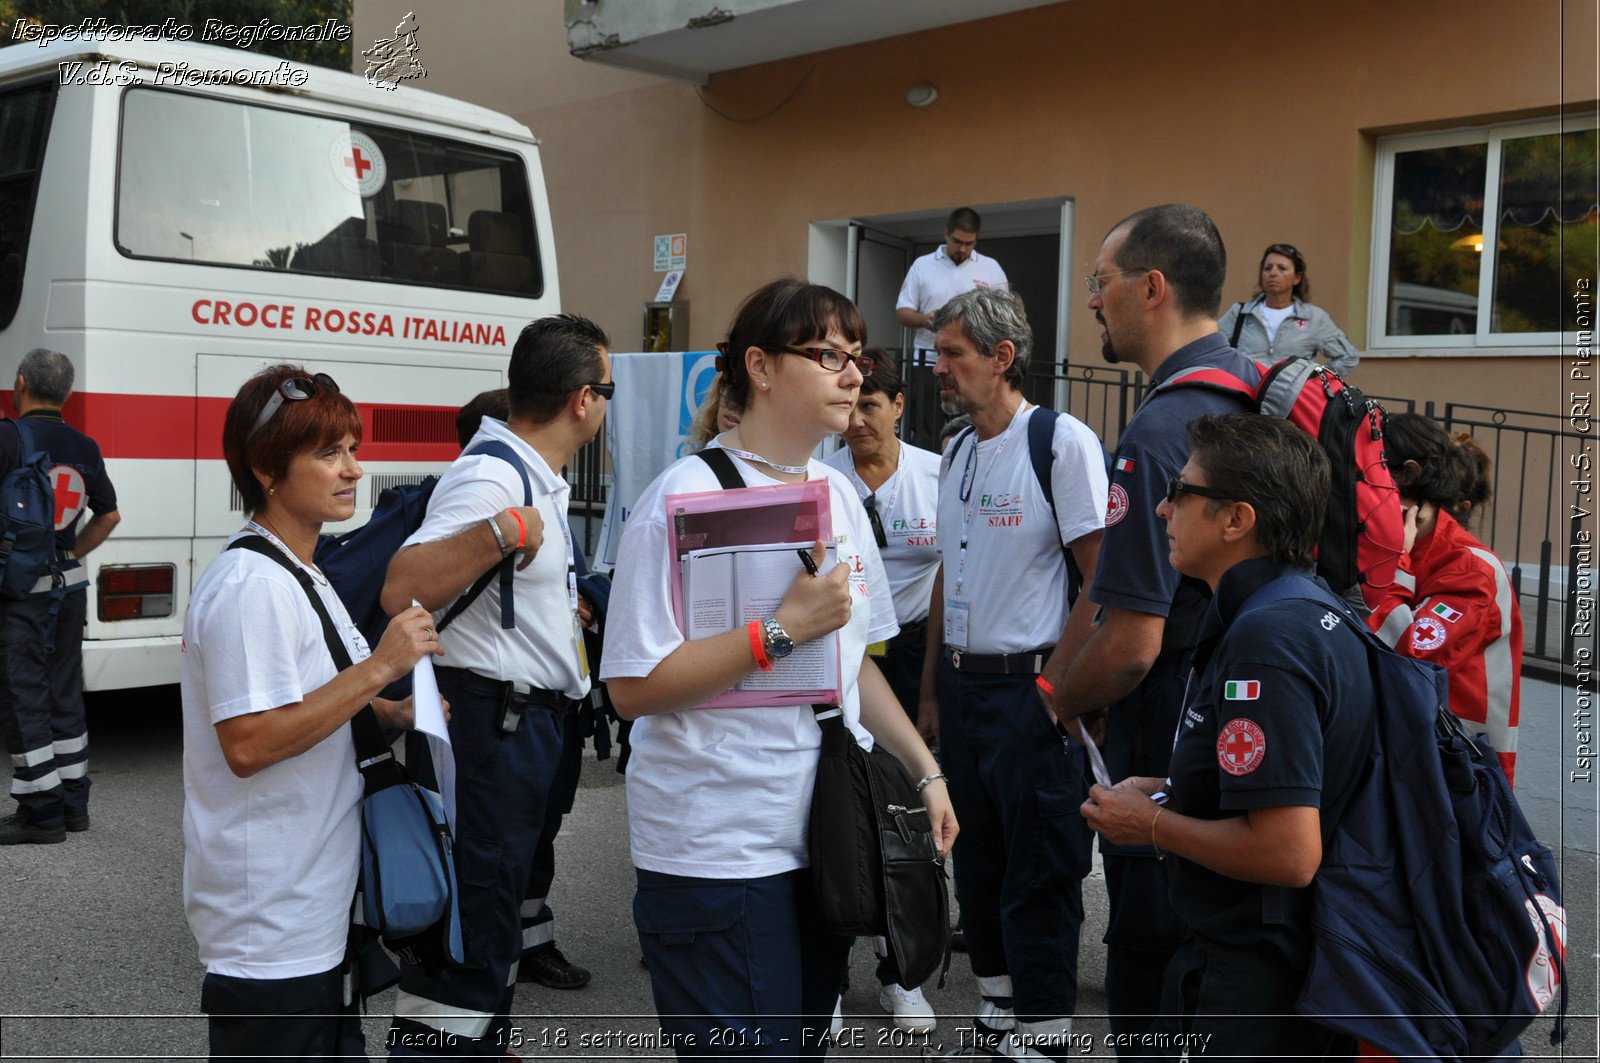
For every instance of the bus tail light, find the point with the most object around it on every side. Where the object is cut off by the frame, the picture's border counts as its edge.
(135, 592)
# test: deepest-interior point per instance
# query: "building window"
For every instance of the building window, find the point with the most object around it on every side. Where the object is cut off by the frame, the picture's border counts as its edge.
(1481, 235)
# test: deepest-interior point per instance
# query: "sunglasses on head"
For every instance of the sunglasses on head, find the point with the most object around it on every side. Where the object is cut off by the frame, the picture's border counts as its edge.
(294, 389)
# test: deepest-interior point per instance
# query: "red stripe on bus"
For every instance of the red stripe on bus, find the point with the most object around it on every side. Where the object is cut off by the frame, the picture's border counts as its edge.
(184, 428)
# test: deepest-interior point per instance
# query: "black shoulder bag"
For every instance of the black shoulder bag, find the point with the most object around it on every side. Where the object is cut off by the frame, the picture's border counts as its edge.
(875, 866)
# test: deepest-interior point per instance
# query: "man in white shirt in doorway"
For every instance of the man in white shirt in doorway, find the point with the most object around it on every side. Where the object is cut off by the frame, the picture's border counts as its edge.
(953, 267)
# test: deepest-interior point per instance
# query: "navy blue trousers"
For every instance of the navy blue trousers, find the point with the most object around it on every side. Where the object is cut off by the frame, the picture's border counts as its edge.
(502, 783)
(739, 967)
(41, 707)
(1144, 930)
(1240, 1000)
(289, 1018)
(1023, 850)
(538, 919)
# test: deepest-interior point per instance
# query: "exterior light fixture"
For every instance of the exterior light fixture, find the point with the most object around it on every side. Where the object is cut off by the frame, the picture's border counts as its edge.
(921, 95)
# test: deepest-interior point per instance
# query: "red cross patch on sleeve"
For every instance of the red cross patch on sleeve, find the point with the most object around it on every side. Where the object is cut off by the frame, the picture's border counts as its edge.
(1241, 746)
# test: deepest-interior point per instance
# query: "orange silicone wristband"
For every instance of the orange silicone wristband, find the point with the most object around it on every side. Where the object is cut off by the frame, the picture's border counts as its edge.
(522, 529)
(758, 647)
(1046, 686)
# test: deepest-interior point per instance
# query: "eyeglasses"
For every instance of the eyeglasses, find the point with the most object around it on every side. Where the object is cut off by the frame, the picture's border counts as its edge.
(1177, 488)
(605, 391)
(832, 360)
(870, 503)
(295, 388)
(1096, 281)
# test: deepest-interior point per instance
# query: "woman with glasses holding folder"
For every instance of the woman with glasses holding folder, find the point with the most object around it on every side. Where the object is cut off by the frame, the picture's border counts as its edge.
(271, 792)
(718, 798)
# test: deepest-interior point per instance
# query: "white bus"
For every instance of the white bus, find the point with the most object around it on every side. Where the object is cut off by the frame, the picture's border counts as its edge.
(172, 239)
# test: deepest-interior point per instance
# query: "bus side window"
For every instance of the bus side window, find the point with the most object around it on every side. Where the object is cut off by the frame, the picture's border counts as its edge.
(24, 123)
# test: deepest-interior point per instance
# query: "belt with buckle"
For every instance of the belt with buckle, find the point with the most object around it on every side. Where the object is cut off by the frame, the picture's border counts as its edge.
(521, 693)
(1031, 663)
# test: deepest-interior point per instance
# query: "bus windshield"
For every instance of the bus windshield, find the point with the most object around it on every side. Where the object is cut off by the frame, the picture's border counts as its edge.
(235, 184)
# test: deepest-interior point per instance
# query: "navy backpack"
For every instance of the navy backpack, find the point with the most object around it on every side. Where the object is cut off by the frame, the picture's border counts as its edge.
(1437, 920)
(27, 520)
(357, 561)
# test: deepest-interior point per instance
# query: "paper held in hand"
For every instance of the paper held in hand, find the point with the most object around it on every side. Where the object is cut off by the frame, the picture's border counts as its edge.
(737, 554)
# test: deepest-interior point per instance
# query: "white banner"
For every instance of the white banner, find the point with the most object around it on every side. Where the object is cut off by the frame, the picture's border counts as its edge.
(657, 397)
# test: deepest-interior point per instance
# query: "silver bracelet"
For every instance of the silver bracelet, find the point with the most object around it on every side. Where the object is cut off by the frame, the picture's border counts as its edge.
(926, 779)
(494, 526)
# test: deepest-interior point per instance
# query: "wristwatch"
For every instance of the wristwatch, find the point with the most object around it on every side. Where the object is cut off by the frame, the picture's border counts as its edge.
(779, 644)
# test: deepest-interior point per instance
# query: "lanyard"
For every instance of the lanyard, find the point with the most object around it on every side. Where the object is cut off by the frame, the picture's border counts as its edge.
(262, 531)
(572, 565)
(969, 476)
(757, 459)
(899, 467)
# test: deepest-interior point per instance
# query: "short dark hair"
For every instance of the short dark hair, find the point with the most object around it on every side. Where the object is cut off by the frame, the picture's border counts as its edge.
(885, 376)
(554, 357)
(1277, 468)
(1183, 243)
(48, 375)
(1302, 287)
(964, 218)
(298, 425)
(496, 404)
(786, 312)
(1452, 473)
(987, 316)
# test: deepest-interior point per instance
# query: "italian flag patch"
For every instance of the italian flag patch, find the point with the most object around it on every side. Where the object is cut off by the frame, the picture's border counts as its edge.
(1444, 612)
(1124, 464)
(1242, 689)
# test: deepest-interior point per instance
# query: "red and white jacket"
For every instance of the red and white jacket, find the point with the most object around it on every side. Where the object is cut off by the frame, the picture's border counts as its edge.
(1452, 604)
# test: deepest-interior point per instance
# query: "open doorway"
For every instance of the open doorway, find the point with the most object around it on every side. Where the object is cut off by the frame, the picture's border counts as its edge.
(867, 258)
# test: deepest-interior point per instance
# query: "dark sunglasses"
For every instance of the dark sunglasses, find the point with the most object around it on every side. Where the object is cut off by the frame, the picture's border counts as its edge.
(605, 391)
(295, 389)
(833, 360)
(870, 503)
(1176, 488)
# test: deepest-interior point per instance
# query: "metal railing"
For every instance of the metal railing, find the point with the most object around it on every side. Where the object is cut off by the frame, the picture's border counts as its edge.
(1526, 512)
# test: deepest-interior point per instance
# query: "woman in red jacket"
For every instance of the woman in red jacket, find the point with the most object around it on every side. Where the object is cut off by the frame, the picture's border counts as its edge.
(1452, 602)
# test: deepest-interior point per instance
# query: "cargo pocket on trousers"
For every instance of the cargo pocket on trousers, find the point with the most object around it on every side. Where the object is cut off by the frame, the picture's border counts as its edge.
(675, 915)
(1061, 853)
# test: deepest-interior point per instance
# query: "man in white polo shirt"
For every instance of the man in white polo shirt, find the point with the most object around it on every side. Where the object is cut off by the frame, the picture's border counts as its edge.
(933, 280)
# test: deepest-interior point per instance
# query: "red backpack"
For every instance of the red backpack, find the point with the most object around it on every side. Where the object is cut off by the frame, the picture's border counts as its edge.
(1363, 535)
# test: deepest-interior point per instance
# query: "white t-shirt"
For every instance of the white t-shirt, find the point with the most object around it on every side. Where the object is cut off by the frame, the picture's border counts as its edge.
(725, 793)
(270, 862)
(934, 280)
(1015, 578)
(1272, 317)
(908, 508)
(542, 649)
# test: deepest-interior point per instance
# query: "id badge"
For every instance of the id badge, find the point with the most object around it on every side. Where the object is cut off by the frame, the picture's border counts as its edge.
(956, 613)
(583, 650)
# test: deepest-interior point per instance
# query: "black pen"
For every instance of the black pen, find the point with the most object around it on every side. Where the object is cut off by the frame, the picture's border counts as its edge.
(805, 559)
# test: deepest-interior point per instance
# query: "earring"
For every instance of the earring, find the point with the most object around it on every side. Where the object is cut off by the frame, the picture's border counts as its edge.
(763, 385)
(272, 491)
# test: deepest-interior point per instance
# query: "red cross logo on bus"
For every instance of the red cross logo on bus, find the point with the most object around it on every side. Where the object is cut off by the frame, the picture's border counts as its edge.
(67, 484)
(358, 162)
(1241, 746)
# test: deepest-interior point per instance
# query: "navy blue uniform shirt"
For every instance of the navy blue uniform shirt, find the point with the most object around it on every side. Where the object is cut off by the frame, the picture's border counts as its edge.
(77, 474)
(1278, 715)
(1133, 571)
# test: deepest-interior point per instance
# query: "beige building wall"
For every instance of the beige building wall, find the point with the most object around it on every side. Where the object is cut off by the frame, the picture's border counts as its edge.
(1265, 114)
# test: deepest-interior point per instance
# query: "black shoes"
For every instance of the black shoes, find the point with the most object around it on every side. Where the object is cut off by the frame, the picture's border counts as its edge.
(548, 967)
(77, 824)
(15, 830)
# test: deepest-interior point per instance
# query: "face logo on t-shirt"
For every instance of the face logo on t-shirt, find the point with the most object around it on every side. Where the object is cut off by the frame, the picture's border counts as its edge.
(1116, 505)
(1241, 746)
(1002, 509)
(1428, 633)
